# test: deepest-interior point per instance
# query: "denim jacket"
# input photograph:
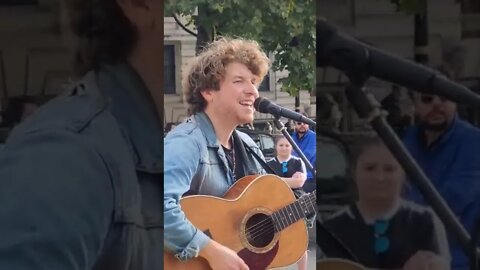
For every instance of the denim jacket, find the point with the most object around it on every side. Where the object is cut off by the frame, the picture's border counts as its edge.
(194, 163)
(80, 180)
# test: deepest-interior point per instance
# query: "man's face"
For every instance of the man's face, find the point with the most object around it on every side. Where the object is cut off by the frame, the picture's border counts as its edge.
(433, 112)
(301, 128)
(238, 91)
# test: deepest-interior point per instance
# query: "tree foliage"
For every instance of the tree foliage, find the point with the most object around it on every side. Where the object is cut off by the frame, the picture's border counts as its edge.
(409, 6)
(285, 28)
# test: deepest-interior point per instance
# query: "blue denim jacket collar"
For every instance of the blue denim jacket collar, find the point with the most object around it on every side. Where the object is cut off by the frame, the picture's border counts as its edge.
(207, 129)
(133, 107)
(206, 126)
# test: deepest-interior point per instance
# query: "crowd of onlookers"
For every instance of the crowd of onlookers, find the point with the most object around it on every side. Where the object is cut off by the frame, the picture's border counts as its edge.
(391, 225)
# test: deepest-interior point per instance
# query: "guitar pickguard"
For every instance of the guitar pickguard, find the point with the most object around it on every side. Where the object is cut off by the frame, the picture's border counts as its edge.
(256, 261)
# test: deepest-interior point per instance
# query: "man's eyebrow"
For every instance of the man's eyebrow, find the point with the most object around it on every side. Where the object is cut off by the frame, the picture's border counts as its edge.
(243, 77)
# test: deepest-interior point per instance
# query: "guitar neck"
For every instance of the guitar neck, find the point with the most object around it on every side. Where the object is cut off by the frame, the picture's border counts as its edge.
(293, 212)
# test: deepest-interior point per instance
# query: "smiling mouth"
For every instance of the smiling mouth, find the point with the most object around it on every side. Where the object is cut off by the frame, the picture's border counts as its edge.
(248, 104)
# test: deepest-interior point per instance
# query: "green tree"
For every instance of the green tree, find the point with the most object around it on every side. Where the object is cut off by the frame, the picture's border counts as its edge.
(409, 6)
(285, 28)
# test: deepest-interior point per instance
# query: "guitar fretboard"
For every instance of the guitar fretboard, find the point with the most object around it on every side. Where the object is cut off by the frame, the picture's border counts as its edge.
(293, 212)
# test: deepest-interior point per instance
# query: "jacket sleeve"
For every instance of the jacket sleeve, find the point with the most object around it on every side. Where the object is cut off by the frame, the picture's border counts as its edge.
(182, 156)
(56, 202)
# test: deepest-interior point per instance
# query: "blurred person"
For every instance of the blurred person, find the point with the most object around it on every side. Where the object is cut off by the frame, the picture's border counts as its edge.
(381, 230)
(329, 114)
(79, 179)
(447, 149)
(289, 126)
(396, 118)
(307, 143)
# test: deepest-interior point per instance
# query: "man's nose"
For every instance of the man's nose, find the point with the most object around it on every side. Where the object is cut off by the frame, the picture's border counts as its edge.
(437, 100)
(252, 90)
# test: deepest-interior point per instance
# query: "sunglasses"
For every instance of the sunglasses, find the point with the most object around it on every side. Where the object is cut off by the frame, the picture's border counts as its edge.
(284, 167)
(427, 99)
(300, 123)
(382, 243)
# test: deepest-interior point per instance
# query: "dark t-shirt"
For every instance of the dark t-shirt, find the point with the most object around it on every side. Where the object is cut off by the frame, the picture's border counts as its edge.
(293, 165)
(235, 159)
(410, 229)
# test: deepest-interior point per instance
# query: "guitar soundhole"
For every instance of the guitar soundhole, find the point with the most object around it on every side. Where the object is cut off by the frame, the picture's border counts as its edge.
(260, 230)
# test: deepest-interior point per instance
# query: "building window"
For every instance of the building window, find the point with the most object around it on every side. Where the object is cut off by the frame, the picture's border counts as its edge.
(265, 85)
(169, 69)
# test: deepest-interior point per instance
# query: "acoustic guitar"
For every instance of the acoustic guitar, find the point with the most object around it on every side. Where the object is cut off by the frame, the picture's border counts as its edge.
(259, 218)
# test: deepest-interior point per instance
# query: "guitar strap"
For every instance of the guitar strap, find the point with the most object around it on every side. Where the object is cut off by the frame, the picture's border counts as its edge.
(244, 148)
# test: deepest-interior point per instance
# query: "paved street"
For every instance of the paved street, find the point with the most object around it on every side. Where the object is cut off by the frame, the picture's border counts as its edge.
(311, 259)
(311, 252)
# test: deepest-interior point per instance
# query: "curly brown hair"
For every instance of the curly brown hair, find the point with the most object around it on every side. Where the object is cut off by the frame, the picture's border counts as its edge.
(103, 34)
(208, 68)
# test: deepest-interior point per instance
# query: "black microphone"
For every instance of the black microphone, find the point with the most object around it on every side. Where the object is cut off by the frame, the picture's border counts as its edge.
(264, 105)
(359, 60)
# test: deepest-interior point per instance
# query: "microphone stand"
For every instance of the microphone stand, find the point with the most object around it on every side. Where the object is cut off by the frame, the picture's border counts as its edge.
(279, 125)
(368, 107)
(321, 229)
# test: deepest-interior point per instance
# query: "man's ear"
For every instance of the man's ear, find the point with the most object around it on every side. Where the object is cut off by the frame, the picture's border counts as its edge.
(137, 12)
(207, 95)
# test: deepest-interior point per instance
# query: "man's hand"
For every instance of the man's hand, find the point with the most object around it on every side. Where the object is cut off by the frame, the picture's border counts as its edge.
(426, 260)
(222, 258)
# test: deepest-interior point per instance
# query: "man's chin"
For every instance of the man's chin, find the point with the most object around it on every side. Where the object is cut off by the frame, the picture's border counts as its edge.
(246, 120)
(435, 126)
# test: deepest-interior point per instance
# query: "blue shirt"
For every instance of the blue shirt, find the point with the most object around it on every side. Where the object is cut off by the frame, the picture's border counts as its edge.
(195, 164)
(452, 163)
(308, 145)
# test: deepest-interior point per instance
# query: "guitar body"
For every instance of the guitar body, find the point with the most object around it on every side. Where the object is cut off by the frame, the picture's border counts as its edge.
(338, 264)
(237, 219)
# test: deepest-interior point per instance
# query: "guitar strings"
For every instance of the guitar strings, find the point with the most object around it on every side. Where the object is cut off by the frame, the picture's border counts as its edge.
(261, 228)
(308, 200)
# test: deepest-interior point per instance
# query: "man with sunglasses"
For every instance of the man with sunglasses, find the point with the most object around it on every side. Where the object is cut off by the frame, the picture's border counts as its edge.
(306, 141)
(447, 148)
